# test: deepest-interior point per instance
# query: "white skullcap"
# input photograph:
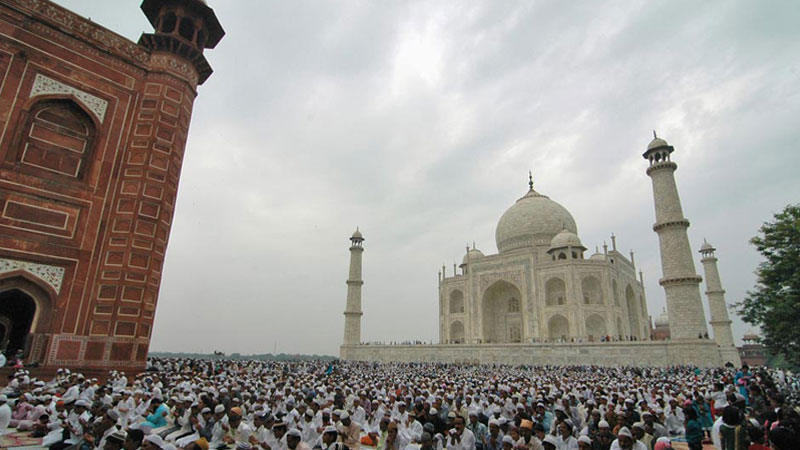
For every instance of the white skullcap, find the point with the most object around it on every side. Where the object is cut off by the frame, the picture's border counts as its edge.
(294, 432)
(344, 415)
(219, 408)
(585, 440)
(624, 431)
(550, 439)
(509, 439)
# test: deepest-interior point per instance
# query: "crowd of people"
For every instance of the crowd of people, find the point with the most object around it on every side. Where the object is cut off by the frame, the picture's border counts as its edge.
(197, 404)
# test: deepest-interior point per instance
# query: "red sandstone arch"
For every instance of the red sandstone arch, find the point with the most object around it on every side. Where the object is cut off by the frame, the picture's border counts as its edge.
(43, 296)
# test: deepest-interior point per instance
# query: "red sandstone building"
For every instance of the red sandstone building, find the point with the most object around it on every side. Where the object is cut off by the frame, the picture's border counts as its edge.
(92, 133)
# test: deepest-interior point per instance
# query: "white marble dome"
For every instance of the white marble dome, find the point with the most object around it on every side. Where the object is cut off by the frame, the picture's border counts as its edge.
(566, 238)
(534, 217)
(472, 255)
(657, 143)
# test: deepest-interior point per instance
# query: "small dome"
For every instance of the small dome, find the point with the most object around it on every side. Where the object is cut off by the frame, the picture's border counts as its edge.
(657, 143)
(706, 246)
(532, 217)
(472, 255)
(357, 234)
(663, 319)
(750, 336)
(598, 257)
(566, 239)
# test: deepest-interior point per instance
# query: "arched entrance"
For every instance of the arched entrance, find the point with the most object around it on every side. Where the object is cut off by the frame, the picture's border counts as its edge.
(25, 310)
(595, 327)
(558, 328)
(17, 310)
(502, 320)
(457, 333)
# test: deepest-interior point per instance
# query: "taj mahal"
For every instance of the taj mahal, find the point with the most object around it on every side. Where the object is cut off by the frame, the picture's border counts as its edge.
(541, 300)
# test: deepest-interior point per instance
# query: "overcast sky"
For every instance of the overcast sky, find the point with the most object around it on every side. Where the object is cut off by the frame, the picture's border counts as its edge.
(418, 122)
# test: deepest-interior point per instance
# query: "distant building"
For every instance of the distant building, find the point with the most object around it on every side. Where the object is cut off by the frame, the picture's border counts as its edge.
(538, 300)
(752, 352)
(93, 130)
(661, 328)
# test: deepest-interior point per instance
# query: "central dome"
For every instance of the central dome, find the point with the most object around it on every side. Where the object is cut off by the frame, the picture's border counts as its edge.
(533, 219)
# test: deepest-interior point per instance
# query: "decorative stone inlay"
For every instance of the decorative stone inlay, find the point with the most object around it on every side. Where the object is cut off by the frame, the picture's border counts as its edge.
(43, 85)
(673, 223)
(52, 275)
(669, 165)
(169, 63)
(675, 281)
(86, 28)
(512, 277)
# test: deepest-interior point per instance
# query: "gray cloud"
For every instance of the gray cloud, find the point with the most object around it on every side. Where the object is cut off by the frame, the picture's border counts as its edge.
(418, 122)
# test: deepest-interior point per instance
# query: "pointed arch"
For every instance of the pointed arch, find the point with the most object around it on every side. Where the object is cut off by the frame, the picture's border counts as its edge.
(595, 327)
(457, 332)
(456, 302)
(555, 292)
(592, 292)
(28, 304)
(558, 327)
(497, 319)
(56, 135)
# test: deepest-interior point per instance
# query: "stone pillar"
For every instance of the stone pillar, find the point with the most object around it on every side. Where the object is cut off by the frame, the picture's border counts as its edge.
(720, 321)
(352, 312)
(680, 281)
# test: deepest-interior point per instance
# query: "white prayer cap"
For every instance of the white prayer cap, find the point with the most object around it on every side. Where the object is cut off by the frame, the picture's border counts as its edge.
(344, 415)
(294, 432)
(205, 410)
(155, 440)
(494, 422)
(585, 440)
(639, 425)
(550, 439)
(3, 398)
(602, 424)
(310, 412)
(242, 446)
(329, 429)
(509, 439)
(219, 408)
(82, 402)
(624, 431)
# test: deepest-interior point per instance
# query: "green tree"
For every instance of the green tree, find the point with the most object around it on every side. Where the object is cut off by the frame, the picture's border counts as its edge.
(774, 303)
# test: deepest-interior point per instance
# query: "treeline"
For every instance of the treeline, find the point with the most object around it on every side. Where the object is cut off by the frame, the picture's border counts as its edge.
(240, 357)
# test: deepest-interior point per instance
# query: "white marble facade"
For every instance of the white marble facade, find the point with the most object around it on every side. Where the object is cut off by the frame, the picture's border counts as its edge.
(540, 287)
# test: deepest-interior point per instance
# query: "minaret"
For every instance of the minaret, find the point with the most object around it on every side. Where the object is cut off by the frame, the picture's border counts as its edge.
(352, 313)
(720, 322)
(681, 283)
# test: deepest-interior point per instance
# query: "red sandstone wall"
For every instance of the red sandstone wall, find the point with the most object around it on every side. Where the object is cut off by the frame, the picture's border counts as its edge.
(107, 228)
